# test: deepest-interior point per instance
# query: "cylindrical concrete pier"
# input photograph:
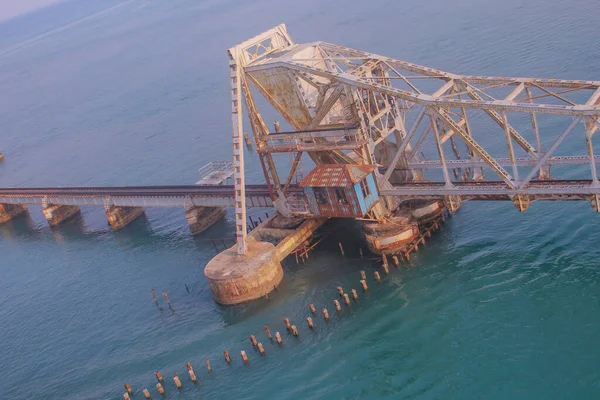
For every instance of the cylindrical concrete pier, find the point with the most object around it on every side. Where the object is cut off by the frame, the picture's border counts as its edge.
(237, 278)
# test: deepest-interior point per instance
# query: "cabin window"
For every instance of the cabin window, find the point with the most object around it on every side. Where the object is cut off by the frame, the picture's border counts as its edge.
(320, 195)
(364, 187)
(340, 194)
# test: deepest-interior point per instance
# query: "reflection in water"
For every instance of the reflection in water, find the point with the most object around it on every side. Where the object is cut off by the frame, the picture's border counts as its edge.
(22, 224)
(73, 228)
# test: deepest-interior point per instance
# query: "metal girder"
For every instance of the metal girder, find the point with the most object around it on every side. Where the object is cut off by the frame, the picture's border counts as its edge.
(238, 154)
(139, 196)
(503, 122)
(326, 106)
(403, 146)
(505, 162)
(542, 160)
(440, 151)
(475, 147)
(547, 191)
(339, 84)
(425, 99)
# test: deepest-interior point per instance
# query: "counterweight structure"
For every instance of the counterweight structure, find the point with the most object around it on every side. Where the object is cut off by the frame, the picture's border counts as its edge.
(431, 134)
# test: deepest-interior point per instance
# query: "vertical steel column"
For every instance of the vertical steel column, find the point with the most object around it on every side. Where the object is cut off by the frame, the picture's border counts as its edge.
(238, 155)
(588, 137)
(534, 124)
(440, 151)
(402, 146)
(511, 151)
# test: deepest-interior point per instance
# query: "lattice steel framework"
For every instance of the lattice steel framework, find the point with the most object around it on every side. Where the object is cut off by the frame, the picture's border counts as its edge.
(350, 106)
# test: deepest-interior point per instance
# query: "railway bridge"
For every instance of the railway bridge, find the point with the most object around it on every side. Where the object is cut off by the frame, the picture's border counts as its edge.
(203, 202)
(392, 143)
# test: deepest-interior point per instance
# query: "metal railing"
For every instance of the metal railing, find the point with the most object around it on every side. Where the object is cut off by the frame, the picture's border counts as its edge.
(215, 172)
(221, 166)
(316, 140)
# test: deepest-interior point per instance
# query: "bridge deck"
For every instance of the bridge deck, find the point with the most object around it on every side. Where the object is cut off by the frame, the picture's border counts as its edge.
(497, 190)
(258, 195)
(139, 196)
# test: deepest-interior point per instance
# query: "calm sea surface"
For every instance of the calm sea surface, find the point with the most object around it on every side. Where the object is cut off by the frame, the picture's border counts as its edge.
(498, 305)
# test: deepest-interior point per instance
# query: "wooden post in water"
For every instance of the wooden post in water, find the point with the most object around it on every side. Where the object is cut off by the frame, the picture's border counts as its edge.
(160, 389)
(310, 322)
(167, 297)
(364, 285)
(128, 388)
(341, 249)
(338, 307)
(346, 299)
(191, 372)
(177, 381)
(268, 332)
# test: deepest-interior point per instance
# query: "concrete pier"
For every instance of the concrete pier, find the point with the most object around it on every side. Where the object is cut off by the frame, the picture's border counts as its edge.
(119, 217)
(235, 279)
(201, 218)
(56, 213)
(9, 211)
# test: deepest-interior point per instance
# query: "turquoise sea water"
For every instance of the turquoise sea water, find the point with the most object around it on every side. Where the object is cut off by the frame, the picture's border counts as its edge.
(498, 304)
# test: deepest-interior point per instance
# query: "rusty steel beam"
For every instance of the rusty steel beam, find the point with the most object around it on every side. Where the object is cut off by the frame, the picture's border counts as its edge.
(320, 85)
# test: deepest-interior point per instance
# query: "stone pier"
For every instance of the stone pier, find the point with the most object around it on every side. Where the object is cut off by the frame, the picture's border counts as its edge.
(56, 214)
(9, 211)
(119, 217)
(201, 218)
(237, 278)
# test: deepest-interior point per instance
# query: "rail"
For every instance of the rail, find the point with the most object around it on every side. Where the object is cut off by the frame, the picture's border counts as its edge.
(140, 196)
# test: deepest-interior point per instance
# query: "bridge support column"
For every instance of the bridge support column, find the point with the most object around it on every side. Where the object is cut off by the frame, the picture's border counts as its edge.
(119, 217)
(201, 218)
(544, 173)
(521, 201)
(9, 211)
(595, 201)
(453, 203)
(56, 214)
(235, 278)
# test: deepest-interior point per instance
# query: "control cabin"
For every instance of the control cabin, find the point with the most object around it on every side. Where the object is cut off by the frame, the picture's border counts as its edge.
(341, 190)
